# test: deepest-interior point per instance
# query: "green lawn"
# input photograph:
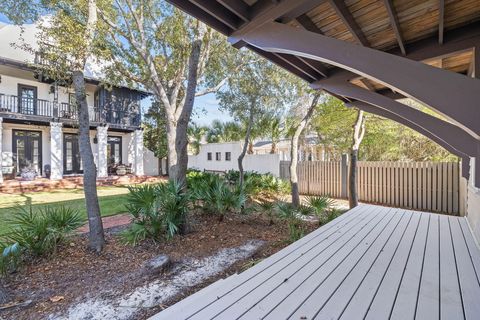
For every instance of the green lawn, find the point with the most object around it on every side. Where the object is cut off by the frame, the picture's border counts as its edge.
(112, 201)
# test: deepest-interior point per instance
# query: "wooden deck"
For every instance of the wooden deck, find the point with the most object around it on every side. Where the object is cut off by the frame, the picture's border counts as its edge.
(372, 262)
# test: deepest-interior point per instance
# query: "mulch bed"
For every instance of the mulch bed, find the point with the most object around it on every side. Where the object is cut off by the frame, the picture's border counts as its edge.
(75, 273)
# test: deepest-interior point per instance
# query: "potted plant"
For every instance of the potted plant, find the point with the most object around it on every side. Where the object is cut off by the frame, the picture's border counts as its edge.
(28, 173)
(121, 170)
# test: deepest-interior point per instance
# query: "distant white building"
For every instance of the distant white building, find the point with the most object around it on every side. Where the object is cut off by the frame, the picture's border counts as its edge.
(310, 149)
(223, 157)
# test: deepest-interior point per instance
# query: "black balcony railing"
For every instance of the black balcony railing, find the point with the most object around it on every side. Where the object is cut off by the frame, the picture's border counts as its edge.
(51, 109)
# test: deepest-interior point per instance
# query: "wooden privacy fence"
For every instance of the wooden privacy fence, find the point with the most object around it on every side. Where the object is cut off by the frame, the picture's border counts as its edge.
(428, 186)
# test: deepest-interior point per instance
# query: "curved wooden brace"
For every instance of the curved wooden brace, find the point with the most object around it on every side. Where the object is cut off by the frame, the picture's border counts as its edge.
(451, 134)
(392, 116)
(453, 95)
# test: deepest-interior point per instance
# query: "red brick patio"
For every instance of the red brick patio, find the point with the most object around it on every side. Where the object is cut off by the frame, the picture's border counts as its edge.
(73, 182)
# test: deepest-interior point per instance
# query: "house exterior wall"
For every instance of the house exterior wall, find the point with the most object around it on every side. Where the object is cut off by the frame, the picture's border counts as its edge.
(262, 163)
(150, 164)
(11, 78)
(473, 203)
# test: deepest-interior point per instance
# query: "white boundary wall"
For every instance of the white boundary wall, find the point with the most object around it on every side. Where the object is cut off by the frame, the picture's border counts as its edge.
(261, 163)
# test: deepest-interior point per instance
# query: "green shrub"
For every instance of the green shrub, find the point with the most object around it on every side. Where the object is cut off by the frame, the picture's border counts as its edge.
(322, 207)
(216, 196)
(158, 210)
(320, 204)
(40, 232)
(329, 215)
(286, 211)
(267, 208)
(255, 183)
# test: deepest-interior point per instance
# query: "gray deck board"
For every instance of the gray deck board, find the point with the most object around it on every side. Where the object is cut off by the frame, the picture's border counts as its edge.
(280, 285)
(372, 262)
(450, 298)
(405, 302)
(428, 302)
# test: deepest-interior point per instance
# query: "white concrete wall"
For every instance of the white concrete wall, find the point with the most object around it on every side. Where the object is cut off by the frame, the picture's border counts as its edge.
(262, 163)
(473, 203)
(150, 163)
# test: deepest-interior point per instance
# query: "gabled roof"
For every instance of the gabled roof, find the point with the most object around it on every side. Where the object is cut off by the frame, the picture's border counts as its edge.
(13, 36)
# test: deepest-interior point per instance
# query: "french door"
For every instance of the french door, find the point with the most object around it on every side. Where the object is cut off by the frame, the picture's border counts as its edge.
(114, 151)
(72, 162)
(27, 99)
(27, 150)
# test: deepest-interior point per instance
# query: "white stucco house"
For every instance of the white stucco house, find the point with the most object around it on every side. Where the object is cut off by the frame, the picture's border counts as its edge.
(223, 157)
(38, 126)
(310, 149)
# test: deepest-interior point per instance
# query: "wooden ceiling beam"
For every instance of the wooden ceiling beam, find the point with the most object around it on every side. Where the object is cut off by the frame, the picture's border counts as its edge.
(308, 24)
(239, 8)
(474, 67)
(316, 65)
(265, 11)
(304, 7)
(220, 13)
(280, 62)
(300, 65)
(392, 14)
(202, 15)
(441, 20)
(349, 21)
(367, 84)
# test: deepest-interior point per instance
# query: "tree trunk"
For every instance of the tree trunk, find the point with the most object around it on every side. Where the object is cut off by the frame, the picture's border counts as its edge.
(178, 158)
(250, 147)
(245, 144)
(96, 234)
(358, 133)
(274, 147)
(294, 150)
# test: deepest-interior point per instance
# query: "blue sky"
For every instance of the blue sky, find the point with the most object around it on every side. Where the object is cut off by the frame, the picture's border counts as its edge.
(206, 108)
(3, 18)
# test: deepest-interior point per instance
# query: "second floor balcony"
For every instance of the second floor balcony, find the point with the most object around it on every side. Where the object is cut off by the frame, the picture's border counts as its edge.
(29, 107)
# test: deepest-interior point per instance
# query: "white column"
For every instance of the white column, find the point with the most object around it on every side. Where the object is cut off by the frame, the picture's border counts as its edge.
(1, 149)
(102, 135)
(56, 151)
(138, 135)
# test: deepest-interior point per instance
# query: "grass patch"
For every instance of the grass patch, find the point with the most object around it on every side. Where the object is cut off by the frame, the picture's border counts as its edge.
(112, 201)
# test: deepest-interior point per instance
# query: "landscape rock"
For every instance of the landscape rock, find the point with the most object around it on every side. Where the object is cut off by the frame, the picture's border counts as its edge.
(158, 264)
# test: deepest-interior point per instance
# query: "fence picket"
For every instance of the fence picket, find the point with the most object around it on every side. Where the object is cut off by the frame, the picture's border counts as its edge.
(417, 185)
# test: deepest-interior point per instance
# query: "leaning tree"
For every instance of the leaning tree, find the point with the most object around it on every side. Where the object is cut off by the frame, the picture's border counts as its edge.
(176, 57)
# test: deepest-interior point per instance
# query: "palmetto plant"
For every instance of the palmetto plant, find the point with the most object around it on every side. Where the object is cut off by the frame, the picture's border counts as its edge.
(267, 208)
(320, 204)
(39, 232)
(322, 207)
(217, 196)
(157, 210)
(286, 211)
